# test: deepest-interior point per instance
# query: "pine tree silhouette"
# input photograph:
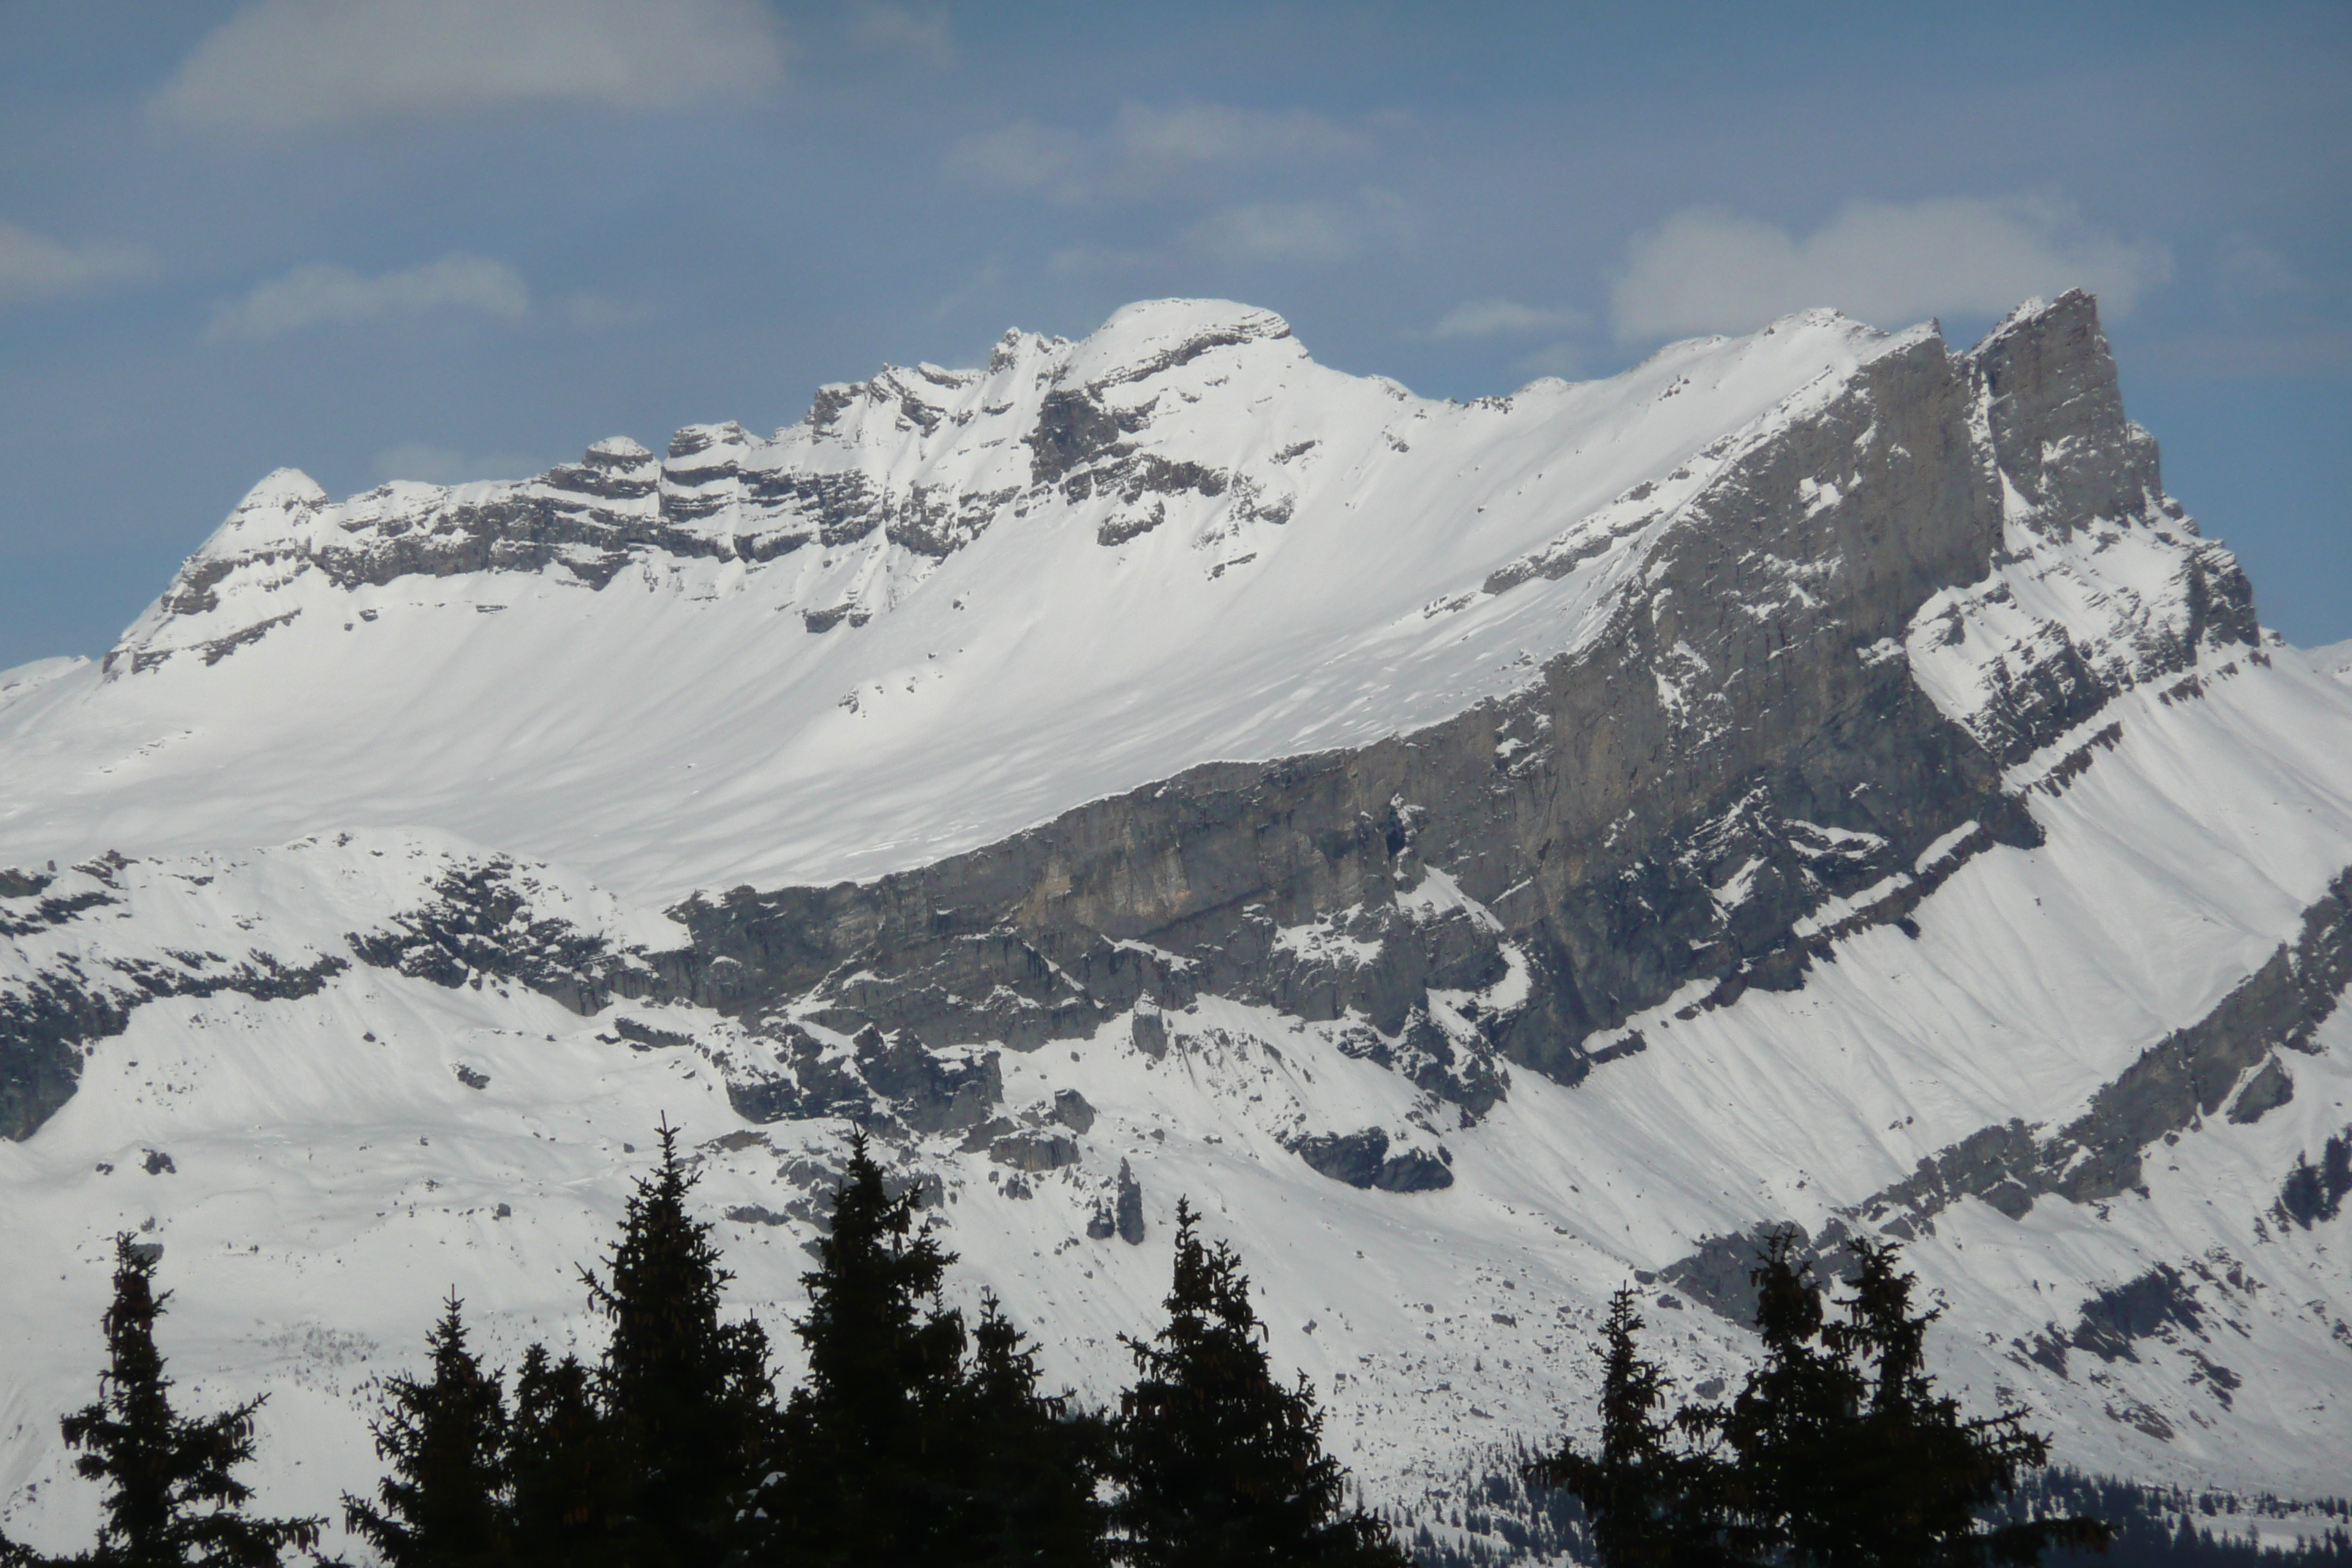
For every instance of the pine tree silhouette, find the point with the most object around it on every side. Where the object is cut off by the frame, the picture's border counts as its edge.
(570, 1489)
(172, 1499)
(1652, 1501)
(1217, 1462)
(1837, 1452)
(1035, 1460)
(686, 1396)
(869, 1457)
(1913, 1475)
(445, 1503)
(1786, 1425)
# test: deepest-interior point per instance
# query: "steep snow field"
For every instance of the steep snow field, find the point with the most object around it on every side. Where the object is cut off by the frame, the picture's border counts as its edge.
(322, 1168)
(682, 728)
(327, 1189)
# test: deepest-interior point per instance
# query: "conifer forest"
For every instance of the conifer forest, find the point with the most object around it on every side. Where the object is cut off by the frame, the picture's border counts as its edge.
(919, 1436)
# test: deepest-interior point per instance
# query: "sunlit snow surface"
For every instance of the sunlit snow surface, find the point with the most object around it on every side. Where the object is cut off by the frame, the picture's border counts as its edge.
(682, 729)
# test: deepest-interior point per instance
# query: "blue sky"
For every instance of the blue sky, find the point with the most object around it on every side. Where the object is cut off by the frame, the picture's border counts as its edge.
(451, 238)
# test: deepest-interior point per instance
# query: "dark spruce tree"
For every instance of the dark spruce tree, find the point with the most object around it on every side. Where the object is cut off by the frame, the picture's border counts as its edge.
(172, 1499)
(1836, 1453)
(1651, 1501)
(445, 1503)
(1035, 1460)
(569, 1487)
(686, 1398)
(1912, 1477)
(1216, 1462)
(873, 1457)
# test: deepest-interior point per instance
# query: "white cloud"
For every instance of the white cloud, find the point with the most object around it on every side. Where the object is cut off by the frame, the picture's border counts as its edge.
(1565, 361)
(1024, 156)
(1217, 133)
(2249, 275)
(1144, 150)
(433, 465)
(324, 294)
(591, 312)
(1501, 318)
(1705, 270)
(881, 28)
(290, 65)
(35, 267)
(2269, 356)
(1274, 231)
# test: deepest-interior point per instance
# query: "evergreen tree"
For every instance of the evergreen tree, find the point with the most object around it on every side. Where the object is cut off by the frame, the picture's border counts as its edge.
(870, 1463)
(445, 1503)
(571, 1492)
(1837, 1452)
(1914, 1477)
(1787, 1426)
(686, 1397)
(172, 1497)
(1037, 1461)
(1652, 1501)
(1218, 1463)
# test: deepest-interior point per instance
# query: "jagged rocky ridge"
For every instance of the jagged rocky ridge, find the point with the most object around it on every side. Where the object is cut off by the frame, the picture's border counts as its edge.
(1828, 668)
(1742, 744)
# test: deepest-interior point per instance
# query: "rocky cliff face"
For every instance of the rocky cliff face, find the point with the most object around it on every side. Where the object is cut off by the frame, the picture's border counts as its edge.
(1661, 813)
(1742, 744)
(1809, 780)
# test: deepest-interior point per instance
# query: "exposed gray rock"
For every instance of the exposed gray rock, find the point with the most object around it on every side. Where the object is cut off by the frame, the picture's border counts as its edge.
(21, 884)
(1071, 1110)
(2160, 1303)
(1362, 1159)
(2312, 1193)
(2188, 1075)
(1034, 1151)
(644, 1037)
(1130, 1206)
(2270, 1088)
(48, 1023)
(1732, 751)
(1149, 1031)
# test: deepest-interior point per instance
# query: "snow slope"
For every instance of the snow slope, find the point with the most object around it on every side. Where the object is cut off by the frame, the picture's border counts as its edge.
(326, 1141)
(683, 728)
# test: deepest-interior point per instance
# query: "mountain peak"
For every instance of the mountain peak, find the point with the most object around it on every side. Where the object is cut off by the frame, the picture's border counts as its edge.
(1153, 335)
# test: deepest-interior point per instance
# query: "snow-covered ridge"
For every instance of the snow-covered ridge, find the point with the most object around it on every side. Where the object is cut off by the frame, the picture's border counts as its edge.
(1478, 854)
(942, 608)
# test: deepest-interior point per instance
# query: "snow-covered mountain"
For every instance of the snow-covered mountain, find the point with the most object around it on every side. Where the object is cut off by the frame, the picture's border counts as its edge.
(1480, 854)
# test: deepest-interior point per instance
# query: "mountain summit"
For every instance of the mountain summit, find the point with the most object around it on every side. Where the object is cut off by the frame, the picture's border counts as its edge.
(1479, 854)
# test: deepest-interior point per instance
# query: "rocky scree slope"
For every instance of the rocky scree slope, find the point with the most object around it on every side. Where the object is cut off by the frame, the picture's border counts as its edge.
(1504, 802)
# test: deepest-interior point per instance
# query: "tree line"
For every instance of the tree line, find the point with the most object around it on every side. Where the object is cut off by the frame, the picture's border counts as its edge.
(919, 1438)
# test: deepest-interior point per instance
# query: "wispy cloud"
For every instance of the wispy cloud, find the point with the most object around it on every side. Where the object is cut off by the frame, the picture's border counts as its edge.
(878, 26)
(1705, 270)
(2312, 352)
(1276, 231)
(1218, 133)
(432, 464)
(2249, 275)
(35, 267)
(292, 65)
(1025, 157)
(322, 294)
(1144, 150)
(1507, 317)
